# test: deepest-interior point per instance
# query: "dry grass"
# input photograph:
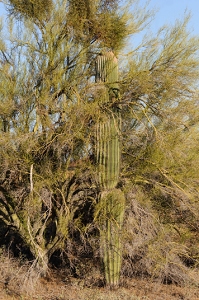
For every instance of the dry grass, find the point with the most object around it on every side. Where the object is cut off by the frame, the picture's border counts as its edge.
(137, 290)
(19, 282)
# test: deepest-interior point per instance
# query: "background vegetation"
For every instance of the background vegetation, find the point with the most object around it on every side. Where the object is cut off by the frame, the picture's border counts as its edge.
(49, 186)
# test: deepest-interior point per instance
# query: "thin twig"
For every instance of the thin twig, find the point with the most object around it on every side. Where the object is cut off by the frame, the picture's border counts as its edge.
(31, 181)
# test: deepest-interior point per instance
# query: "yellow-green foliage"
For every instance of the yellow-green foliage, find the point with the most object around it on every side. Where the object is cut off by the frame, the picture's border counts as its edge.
(34, 9)
(92, 22)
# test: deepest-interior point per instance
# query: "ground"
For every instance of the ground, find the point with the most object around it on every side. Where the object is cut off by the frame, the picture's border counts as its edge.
(74, 289)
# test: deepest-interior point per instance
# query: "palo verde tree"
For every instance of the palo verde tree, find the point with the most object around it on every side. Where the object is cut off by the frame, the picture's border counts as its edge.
(47, 112)
(160, 124)
(73, 127)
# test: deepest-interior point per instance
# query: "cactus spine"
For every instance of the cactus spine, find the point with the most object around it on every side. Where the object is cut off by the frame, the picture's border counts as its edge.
(112, 200)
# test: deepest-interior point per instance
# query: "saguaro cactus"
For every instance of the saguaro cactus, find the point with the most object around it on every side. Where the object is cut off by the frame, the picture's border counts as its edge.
(112, 201)
(108, 127)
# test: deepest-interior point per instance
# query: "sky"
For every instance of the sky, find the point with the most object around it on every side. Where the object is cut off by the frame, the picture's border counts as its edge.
(167, 12)
(170, 10)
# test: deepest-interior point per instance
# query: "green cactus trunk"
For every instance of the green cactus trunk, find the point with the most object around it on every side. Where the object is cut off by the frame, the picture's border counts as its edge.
(111, 213)
(108, 127)
(112, 200)
(108, 153)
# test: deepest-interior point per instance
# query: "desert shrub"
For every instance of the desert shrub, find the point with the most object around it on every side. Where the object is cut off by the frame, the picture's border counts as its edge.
(154, 249)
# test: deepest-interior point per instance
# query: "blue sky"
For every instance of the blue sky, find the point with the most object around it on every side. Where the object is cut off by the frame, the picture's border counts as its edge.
(168, 12)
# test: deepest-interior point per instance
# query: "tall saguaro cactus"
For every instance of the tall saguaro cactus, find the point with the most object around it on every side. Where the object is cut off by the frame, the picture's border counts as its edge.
(112, 201)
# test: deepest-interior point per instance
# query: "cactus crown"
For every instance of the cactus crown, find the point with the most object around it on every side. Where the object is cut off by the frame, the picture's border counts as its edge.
(107, 70)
